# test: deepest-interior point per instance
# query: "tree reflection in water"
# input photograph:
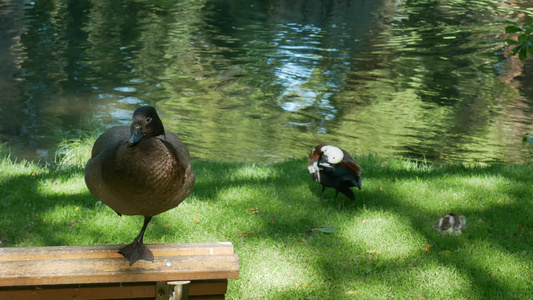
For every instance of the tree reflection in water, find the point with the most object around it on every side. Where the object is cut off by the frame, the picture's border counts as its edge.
(270, 78)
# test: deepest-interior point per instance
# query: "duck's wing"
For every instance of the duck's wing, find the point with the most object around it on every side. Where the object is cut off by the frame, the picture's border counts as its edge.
(178, 148)
(110, 138)
(102, 154)
(350, 164)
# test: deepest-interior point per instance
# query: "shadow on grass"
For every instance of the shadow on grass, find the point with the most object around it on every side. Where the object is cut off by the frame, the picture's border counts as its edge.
(35, 212)
(23, 206)
(288, 212)
(496, 226)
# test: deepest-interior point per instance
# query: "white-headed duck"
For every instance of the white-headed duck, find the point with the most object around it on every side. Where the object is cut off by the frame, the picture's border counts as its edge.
(333, 167)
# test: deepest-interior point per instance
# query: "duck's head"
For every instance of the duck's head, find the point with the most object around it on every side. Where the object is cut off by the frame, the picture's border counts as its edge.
(331, 154)
(312, 163)
(145, 123)
(323, 156)
(326, 154)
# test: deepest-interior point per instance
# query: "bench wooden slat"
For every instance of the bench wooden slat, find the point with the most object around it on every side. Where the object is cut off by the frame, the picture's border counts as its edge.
(101, 270)
(101, 264)
(65, 293)
(110, 251)
(208, 289)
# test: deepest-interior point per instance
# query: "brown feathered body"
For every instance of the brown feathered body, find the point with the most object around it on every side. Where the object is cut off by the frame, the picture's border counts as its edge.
(146, 179)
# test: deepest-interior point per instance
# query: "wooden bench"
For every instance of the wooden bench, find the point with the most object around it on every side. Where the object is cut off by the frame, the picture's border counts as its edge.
(193, 271)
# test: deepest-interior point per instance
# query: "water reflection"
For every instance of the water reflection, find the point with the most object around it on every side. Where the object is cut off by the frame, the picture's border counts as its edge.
(298, 71)
(267, 80)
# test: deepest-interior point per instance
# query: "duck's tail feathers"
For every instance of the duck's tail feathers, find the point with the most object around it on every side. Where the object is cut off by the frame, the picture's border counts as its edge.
(346, 191)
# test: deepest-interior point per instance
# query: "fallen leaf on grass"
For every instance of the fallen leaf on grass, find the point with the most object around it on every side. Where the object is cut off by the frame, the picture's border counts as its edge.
(372, 220)
(196, 220)
(374, 251)
(252, 211)
(427, 249)
(245, 234)
(446, 252)
(352, 292)
(521, 227)
(330, 229)
(302, 285)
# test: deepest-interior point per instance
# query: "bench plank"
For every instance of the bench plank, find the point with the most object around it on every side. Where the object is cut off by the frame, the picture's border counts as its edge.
(111, 251)
(204, 289)
(102, 264)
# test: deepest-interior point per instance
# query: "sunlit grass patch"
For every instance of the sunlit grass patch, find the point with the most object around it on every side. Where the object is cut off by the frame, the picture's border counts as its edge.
(385, 234)
(435, 280)
(252, 172)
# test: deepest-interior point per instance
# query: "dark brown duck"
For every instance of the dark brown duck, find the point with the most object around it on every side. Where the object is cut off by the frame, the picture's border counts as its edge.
(140, 170)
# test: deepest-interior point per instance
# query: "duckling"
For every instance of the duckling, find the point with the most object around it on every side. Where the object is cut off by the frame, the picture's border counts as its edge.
(333, 167)
(140, 170)
(451, 223)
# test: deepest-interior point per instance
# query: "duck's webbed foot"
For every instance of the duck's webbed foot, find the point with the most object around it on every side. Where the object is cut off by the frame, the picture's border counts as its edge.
(135, 251)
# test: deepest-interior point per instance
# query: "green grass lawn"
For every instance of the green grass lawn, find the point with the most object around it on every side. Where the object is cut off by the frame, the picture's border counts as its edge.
(381, 246)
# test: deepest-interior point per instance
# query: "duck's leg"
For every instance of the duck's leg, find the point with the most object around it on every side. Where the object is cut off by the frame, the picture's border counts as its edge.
(322, 193)
(137, 250)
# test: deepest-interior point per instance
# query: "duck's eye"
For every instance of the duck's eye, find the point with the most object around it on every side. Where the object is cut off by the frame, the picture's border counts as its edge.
(148, 120)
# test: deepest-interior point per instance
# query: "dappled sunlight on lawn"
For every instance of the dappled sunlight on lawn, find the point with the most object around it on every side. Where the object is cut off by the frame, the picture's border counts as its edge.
(277, 269)
(248, 171)
(292, 245)
(369, 229)
(499, 264)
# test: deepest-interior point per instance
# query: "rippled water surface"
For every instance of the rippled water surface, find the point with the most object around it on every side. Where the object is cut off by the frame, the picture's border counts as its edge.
(263, 81)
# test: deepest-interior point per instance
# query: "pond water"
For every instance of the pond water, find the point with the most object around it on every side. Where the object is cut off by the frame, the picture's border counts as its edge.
(264, 81)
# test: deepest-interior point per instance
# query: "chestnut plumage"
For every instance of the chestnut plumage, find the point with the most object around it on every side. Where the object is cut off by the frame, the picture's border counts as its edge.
(140, 170)
(335, 168)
